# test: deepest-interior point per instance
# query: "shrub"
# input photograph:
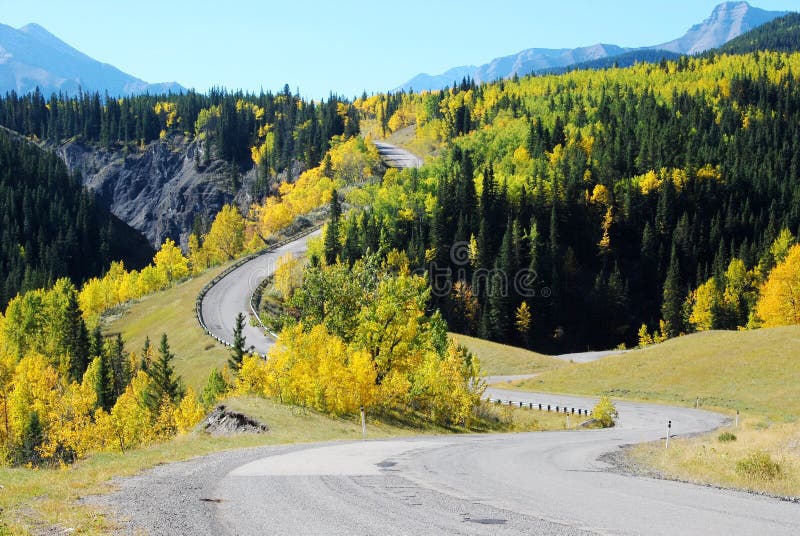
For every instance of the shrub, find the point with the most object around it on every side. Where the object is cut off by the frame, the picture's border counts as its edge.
(605, 413)
(726, 437)
(759, 464)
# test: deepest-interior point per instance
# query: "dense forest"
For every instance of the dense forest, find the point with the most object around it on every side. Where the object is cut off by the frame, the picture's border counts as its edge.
(615, 192)
(272, 131)
(779, 35)
(52, 227)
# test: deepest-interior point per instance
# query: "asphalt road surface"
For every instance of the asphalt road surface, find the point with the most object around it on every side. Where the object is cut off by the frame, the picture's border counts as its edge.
(536, 483)
(533, 483)
(231, 295)
(397, 157)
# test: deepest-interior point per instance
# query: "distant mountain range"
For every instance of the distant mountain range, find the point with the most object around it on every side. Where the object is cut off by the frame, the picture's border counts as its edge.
(727, 21)
(32, 57)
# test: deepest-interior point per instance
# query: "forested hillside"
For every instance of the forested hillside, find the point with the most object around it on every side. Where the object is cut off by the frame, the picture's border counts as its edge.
(615, 193)
(779, 35)
(271, 130)
(51, 227)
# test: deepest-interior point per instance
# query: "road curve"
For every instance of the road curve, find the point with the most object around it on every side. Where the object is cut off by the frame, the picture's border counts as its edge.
(533, 483)
(231, 294)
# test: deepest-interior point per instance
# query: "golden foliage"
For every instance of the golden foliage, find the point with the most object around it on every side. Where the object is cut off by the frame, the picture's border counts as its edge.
(779, 301)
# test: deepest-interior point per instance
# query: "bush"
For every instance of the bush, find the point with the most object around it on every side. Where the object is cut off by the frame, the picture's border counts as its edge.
(605, 413)
(726, 437)
(759, 464)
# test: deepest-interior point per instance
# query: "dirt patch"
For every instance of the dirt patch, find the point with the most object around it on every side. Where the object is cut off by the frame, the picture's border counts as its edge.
(223, 421)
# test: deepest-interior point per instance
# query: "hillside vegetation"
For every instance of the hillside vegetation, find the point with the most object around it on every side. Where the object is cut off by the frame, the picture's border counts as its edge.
(598, 200)
(500, 359)
(51, 227)
(779, 35)
(756, 372)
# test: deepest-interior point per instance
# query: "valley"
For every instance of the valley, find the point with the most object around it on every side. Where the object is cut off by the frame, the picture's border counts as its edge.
(558, 294)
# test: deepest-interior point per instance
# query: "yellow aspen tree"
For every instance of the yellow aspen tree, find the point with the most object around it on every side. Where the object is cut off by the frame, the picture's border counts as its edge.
(170, 262)
(225, 239)
(704, 307)
(779, 301)
(288, 275)
(189, 412)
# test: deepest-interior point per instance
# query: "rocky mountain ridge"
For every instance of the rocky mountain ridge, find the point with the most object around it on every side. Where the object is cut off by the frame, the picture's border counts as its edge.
(727, 21)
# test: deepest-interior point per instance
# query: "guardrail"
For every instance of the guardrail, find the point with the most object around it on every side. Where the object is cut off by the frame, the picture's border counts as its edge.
(566, 410)
(255, 302)
(198, 306)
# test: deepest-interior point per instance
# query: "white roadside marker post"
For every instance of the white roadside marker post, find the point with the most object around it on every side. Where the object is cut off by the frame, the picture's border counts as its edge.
(669, 430)
(363, 424)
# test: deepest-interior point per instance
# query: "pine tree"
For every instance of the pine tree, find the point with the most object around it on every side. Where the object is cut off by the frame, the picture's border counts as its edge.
(76, 337)
(165, 384)
(120, 366)
(331, 241)
(672, 301)
(215, 387)
(32, 439)
(239, 342)
(103, 383)
(147, 355)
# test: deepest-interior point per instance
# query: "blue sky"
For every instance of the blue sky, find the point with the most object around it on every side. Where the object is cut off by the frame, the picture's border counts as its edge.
(342, 46)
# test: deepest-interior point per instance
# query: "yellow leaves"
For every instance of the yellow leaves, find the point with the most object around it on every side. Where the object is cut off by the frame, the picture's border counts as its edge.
(225, 239)
(170, 262)
(189, 412)
(705, 302)
(288, 275)
(167, 112)
(522, 318)
(779, 302)
(600, 195)
(649, 182)
(253, 377)
(605, 241)
(708, 172)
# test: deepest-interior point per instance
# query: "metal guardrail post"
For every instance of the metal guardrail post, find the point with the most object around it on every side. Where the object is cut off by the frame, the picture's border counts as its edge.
(238, 264)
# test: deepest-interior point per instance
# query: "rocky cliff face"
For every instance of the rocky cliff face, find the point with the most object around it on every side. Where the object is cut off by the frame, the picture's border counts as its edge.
(158, 190)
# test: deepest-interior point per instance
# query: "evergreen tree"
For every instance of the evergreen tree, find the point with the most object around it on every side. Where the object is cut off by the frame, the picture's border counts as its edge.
(147, 355)
(76, 337)
(31, 439)
(239, 342)
(165, 384)
(215, 387)
(103, 383)
(331, 241)
(672, 301)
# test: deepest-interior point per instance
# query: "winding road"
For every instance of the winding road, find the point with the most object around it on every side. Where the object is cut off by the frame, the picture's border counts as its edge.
(231, 295)
(532, 483)
(548, 483)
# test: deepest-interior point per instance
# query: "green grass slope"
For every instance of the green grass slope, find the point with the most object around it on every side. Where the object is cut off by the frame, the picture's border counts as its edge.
(756, 372)
(500, 359)
(172, 312)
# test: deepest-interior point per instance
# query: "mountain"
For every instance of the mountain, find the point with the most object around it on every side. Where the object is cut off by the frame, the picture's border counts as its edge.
(727, 21)
(32, 57)
(52, 226)
(780, 35)
(623, 60)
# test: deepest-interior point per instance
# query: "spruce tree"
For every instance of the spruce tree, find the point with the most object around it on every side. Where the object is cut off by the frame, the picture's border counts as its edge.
(147, 355)
(32, 438)
(103, 383)
(76, 337)
(331, 241)
(165, 384)
(672, 300)
(239, 341)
